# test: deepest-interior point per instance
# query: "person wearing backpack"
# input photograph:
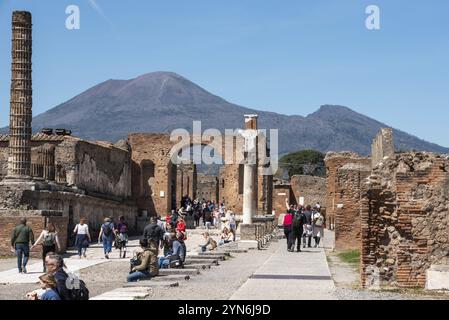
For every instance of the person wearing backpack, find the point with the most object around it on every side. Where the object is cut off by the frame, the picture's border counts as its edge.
(308, 230)
(318, 227)
(21, 238)
(50, 242)
(297, 230)
(66, 287)
(107, 233)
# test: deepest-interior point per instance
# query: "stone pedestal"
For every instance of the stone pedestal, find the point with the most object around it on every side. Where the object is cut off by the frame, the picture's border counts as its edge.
(438, 278)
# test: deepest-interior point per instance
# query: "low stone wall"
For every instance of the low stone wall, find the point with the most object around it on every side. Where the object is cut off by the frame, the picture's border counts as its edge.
(37, 220)
(261, 231)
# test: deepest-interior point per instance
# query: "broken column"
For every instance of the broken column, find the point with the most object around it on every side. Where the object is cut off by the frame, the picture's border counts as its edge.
(19, 161)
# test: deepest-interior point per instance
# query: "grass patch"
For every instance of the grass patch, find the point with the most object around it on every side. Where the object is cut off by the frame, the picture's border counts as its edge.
(351, 257)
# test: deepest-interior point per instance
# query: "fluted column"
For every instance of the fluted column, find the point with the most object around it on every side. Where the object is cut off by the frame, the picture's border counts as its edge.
(19, 161)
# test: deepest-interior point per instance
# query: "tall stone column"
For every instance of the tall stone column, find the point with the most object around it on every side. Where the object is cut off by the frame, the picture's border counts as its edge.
(19, 161)
(250, 169)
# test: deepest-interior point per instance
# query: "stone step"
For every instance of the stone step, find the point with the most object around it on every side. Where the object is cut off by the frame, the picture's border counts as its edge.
(202, 266)
(214, 254)
(151, 283)
(185, 271)
(205, 257)
(235, 250)
(196, 261)
(174, 277)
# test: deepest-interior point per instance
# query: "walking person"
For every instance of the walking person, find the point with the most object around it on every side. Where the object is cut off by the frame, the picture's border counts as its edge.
(288, 225)
(121, 232)
(107, 234)
(232, 225)
(297, 230)
(21, 238)
(50, 242)
(318, 227)
(308, 231)
(82, 237)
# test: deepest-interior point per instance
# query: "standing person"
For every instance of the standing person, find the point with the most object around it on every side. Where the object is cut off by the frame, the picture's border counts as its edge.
(50, 242)
(196, 214)
(21, 238)
(107, 233)
(154, 235)
(318, 230)
(208, 218)
(82, 237)
(122, 235)
(308, 231)
(288, 225)
(297, 230)
(232, 225)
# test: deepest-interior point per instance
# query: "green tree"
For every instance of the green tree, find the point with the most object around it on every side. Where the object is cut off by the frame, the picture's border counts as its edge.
(305, 162)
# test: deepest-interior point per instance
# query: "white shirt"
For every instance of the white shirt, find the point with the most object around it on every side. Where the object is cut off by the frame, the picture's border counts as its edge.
(82, 229)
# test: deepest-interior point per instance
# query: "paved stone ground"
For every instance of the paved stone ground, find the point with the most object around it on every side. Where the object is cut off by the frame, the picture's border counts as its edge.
(229, 280)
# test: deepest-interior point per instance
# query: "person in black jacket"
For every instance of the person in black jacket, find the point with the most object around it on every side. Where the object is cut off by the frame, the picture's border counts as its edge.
(155, 236)
(299, 220)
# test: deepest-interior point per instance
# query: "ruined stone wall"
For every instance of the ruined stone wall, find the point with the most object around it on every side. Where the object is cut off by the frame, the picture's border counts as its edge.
(350, 186)
(102, 169)
(334, 161)
(281, 191)
(382, 146)
(405, 220)
(312, 189)
(208, 188)
(186, 181)
(229, 190)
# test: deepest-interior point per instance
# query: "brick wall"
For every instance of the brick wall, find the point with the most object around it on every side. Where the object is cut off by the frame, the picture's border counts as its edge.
(335, 161)
(405, 220)
(350, 184)
(9, 219)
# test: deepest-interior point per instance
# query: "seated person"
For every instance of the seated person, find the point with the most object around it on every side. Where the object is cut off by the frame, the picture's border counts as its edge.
(226, 236)
(48, 289)
(209, 243)
(141, 271)
(176, 256)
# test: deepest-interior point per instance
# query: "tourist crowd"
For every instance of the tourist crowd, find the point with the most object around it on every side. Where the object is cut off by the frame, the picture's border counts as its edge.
(303, 222)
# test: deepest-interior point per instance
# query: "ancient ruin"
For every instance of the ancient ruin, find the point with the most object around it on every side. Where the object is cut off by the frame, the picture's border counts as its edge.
(55, 177)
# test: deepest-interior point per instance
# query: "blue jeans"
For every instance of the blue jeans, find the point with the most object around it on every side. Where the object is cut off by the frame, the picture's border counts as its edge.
(163, 262)
(107, 245)
(138, 275)
(22, 249)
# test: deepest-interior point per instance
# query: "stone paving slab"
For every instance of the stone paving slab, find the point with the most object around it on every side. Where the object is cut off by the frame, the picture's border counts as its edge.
(171, 278)
(124, 294)
(290, 276)
(35, 270)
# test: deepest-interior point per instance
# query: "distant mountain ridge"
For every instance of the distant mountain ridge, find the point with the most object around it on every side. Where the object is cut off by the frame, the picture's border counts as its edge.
(163, 101)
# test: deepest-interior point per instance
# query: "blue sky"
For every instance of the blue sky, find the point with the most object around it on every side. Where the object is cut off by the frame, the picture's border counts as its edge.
(284, 56)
